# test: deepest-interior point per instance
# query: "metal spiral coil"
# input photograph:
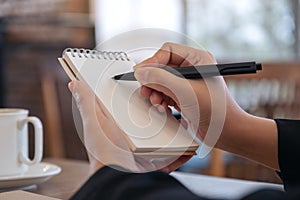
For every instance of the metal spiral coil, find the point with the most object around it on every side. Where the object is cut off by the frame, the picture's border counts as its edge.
(95, 54)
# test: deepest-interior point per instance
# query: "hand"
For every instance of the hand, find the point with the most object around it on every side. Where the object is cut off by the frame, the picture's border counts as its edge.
(193, 98)
(206, 105)
(105, 141)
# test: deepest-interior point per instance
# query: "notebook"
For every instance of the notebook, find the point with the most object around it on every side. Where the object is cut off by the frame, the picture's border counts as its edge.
(147, 131)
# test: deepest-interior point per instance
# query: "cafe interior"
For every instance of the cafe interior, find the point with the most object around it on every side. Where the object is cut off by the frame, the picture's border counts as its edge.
(34, 33)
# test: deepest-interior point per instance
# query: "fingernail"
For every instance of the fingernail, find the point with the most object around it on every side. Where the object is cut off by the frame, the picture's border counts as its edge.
(142, 75)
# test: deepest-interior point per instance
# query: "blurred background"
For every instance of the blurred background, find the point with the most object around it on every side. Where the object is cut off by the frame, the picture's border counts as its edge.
(33, 33)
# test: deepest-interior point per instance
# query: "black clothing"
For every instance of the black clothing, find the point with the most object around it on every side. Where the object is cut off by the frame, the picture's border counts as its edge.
(289, 152)
(108, 183)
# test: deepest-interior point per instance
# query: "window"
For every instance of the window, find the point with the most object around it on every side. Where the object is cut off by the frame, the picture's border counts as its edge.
(230, 29)
(114, 16)
(236, 29)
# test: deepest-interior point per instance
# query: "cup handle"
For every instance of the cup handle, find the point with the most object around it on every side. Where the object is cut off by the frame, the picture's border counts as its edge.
(38, 140)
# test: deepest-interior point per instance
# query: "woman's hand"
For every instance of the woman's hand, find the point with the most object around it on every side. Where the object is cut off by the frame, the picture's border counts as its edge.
(193, 98)
(105, 141)
(206, 105)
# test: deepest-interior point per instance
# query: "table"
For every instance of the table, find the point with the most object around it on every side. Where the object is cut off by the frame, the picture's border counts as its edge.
(75, 173)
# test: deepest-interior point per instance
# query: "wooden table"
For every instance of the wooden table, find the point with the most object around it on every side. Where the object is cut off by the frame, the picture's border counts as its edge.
(75, 173)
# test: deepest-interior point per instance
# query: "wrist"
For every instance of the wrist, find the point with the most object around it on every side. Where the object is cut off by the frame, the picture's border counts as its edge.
(236, 121)
(252, 137)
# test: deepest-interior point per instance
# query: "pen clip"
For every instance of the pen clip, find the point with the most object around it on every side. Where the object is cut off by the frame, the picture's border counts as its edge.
(238, 68)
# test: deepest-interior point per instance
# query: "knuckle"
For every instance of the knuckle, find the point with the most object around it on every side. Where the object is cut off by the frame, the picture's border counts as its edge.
(167, 44)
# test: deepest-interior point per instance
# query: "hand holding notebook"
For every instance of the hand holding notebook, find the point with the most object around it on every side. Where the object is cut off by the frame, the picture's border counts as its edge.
(147, 131)
(106, 143)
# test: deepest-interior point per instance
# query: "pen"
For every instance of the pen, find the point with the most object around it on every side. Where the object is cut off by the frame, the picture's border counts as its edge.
(203, 71)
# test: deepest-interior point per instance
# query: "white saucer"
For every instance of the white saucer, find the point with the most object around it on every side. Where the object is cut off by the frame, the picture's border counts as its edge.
(35, 174)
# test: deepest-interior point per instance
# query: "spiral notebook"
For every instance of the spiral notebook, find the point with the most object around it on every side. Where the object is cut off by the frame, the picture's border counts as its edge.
(146, 130)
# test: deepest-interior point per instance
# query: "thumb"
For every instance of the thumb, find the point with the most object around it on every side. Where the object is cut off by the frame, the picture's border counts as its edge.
(84, 98)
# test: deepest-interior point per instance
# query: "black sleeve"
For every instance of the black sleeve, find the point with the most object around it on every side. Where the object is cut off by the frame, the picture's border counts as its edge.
(289, 152)
(108, 183)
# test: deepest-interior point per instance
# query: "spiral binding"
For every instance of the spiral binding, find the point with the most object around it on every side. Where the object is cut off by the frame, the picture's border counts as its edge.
(95, 54)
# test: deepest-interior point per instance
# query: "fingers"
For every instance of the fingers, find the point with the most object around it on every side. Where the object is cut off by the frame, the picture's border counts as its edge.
(169, 54)
(172, 54)
(146, 91)
(159, 86)
(156, 97)
(162, 57)
(157, 79)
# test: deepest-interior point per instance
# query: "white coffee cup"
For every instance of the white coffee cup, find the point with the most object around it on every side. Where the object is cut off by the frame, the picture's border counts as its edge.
(14, 159)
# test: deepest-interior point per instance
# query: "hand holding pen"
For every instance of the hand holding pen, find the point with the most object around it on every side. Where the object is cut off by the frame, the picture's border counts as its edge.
(201, 105)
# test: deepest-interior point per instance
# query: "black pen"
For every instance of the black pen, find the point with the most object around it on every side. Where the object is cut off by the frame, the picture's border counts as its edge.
(203, 71)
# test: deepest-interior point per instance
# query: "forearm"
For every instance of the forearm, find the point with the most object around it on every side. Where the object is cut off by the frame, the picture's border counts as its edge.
(249, 136)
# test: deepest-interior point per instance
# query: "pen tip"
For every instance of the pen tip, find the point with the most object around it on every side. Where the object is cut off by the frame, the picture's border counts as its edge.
(117, 77)
(124, 77)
